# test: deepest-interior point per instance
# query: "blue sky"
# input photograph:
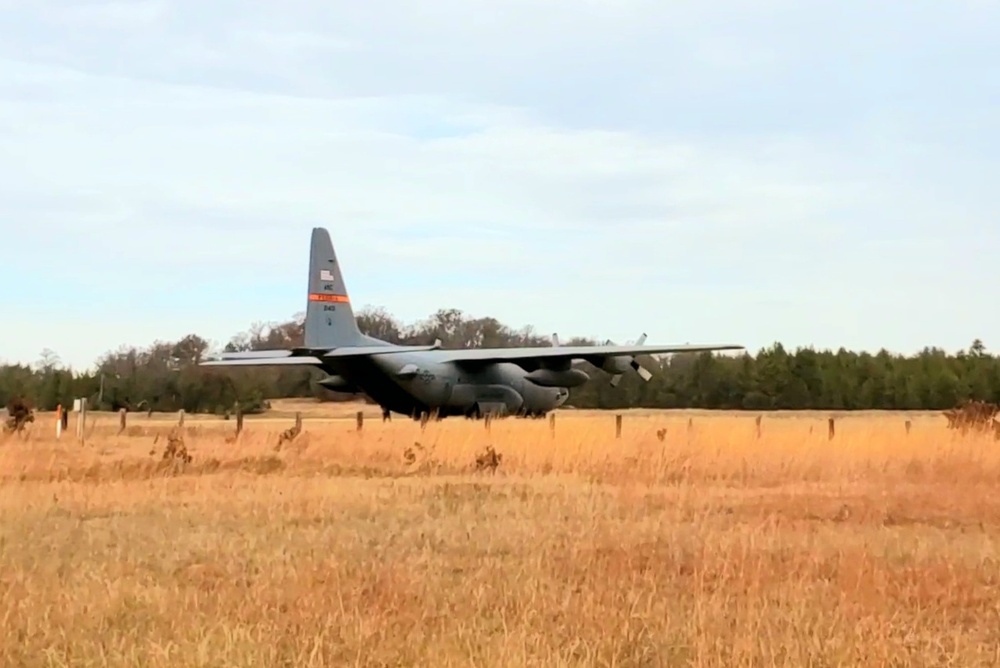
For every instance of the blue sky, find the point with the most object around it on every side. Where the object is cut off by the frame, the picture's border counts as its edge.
(818, 173)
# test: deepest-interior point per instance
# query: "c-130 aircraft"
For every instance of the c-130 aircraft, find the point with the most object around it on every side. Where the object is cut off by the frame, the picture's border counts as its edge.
(428, 380)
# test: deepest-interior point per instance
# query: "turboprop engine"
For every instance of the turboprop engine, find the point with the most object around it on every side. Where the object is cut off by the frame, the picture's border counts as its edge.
(619, 364)
(615, 365)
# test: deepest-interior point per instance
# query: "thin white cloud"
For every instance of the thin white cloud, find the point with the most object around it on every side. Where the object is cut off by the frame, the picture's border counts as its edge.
(108, 15)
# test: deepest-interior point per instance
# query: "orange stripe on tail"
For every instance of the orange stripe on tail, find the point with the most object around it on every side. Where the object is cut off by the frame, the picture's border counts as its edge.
(318, 297)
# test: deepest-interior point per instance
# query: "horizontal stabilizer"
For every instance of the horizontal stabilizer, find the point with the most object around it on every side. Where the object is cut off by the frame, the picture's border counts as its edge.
(310, 356)
(355, 351)
(265, 361)
(254, 354)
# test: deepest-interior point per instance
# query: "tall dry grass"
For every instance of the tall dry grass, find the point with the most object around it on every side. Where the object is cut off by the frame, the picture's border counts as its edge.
(710, 547)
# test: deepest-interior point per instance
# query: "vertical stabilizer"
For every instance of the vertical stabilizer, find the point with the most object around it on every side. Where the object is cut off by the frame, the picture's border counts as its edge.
(330, 320)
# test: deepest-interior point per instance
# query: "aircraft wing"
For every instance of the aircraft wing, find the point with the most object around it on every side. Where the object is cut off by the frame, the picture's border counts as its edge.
(528, 358)
(532, 357)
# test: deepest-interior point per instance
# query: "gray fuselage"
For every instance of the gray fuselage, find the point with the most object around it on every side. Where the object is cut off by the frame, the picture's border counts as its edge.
(412, 383)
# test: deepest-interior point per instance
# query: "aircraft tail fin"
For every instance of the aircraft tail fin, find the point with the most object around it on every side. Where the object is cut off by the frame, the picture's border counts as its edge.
(330, 321)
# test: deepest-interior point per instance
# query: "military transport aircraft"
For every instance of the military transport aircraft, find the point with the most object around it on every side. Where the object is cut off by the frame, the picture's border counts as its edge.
(420, 380)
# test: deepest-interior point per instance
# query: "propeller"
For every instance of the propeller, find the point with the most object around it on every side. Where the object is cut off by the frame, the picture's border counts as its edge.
(643, 372)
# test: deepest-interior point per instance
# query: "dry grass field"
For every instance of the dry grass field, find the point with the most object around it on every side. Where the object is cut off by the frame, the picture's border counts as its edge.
(709, 547)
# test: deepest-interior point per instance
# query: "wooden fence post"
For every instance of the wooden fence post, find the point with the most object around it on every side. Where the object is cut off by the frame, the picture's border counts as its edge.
(239, 419)
(122, 419)
(180, 418)
(552, 423)
(618, 425)
(291, 434)
(908, 426)
(831, 428)
(759, 418)
(360, 419)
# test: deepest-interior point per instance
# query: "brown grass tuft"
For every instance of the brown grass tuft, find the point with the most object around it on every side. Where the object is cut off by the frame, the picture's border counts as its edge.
(489, 460)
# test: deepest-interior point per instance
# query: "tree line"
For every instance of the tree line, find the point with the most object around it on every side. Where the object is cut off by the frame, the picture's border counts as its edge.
(165, 377)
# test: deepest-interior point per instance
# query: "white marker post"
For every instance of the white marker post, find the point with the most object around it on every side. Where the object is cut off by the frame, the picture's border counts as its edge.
(59, 410)
(81, 416)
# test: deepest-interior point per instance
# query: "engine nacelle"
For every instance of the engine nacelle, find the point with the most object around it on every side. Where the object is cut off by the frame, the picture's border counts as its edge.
(337, 384)
(553, 378)
(617, 364)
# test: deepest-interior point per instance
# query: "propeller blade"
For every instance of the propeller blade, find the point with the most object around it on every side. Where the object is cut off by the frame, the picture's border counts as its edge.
(643, 372)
